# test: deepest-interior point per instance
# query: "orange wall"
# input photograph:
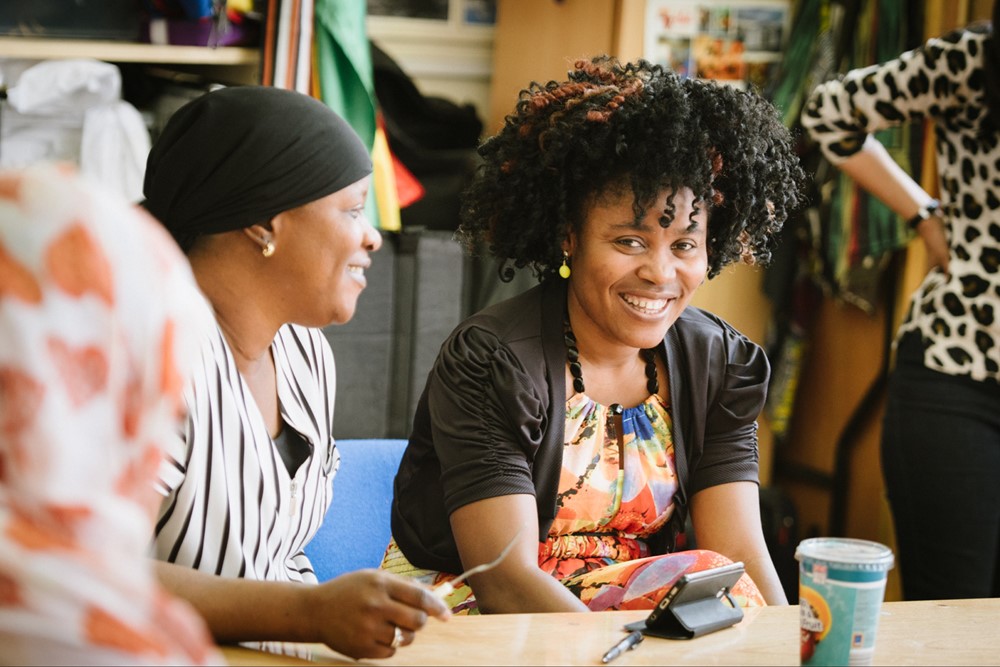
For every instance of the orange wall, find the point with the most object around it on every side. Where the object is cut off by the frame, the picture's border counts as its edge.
(538, 40)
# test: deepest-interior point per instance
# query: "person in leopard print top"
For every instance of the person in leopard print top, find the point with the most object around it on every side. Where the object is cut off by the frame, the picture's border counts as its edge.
(941, 432)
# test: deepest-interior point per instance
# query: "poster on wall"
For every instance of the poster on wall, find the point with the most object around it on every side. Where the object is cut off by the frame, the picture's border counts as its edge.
(737, 42)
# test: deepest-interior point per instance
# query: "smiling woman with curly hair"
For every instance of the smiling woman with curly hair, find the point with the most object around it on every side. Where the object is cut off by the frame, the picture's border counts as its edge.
(586, 418)
(640, 129)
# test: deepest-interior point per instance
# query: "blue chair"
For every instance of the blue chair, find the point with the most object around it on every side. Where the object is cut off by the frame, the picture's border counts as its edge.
(356, 528)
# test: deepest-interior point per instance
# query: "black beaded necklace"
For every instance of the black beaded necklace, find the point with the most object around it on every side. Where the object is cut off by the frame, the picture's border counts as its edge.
(573, 356)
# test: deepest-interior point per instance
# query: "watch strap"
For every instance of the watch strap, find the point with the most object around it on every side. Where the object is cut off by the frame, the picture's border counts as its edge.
(924, 212)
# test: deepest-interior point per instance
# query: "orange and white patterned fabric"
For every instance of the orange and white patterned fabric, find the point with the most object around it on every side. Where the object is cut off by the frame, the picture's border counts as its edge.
(94, 338)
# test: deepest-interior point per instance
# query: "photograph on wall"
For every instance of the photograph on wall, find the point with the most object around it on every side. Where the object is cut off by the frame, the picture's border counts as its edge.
(738, 42)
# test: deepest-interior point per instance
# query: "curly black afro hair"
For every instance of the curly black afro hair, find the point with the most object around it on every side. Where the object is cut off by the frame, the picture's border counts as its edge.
(636, 128)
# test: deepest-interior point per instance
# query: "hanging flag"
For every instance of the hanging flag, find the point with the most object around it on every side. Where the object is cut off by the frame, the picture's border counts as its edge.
(347, 85)
(344, 60)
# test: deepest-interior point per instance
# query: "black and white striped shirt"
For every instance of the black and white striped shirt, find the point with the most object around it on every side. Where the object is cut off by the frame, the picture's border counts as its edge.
(231, 508)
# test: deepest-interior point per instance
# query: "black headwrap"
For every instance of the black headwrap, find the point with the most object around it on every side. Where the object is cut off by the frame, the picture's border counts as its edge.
(239, 156)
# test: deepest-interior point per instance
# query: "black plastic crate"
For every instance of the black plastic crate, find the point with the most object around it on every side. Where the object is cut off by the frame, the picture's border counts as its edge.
(71, 19)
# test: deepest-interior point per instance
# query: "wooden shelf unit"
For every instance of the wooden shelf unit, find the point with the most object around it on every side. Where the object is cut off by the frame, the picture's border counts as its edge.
(229, 64)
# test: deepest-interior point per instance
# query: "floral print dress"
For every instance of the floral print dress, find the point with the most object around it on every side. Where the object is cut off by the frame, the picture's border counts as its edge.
(596, 545)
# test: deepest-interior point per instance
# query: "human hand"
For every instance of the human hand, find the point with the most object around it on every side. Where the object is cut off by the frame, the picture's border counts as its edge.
(357, 613)
(935, 237)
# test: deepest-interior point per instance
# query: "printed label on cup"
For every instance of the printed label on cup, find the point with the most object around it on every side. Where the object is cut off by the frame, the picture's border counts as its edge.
(841, 586)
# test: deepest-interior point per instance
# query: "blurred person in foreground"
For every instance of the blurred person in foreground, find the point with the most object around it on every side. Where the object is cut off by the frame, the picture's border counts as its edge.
(97, 339)
(264, 189)
(590, 416)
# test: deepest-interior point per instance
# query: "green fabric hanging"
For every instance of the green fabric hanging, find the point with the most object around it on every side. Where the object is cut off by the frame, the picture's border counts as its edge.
(344, 69)
(344, 60)
(841, 244)
(869, 230)
(792, 81)
(827, 37)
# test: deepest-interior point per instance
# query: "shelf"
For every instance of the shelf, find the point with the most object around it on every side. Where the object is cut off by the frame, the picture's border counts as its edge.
(126, 52)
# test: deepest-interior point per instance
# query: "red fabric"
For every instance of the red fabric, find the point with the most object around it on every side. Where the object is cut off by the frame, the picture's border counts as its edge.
(408, 188)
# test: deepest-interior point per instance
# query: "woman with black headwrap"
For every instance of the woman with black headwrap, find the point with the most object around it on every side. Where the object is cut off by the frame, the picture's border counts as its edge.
(264, 189)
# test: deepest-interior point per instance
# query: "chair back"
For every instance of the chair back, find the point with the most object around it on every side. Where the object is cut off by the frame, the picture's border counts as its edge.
(356, 529)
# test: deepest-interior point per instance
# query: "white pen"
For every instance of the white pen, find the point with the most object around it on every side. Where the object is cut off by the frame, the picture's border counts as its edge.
(630, 642)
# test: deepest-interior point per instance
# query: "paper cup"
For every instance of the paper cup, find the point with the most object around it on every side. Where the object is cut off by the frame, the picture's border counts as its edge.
(841, 586)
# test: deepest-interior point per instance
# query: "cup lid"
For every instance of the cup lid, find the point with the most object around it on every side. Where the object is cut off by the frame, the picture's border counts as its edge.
(846, 552)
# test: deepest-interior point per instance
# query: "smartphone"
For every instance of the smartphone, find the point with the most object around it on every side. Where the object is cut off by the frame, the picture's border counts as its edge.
(698, 603)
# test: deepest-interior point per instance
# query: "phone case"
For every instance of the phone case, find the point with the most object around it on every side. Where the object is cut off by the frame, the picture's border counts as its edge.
(695, 606)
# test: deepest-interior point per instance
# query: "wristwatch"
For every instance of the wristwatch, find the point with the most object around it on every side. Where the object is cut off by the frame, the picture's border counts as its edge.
(924, 212)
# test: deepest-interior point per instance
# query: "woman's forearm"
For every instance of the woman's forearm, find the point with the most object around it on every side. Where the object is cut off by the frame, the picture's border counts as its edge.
(239, 609)
(359, 614)
(522, 591)
(875, 171)
(485, 528)
(762, 571)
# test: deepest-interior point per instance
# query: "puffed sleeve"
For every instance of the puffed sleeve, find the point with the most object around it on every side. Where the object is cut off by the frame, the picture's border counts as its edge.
(487, 419)
(730, 452)
(932, 80)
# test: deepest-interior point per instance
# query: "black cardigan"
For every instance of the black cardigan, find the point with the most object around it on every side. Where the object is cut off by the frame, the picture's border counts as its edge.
(491, 419)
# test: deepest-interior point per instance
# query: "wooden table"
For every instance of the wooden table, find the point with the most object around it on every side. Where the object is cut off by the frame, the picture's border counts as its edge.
(954, 632)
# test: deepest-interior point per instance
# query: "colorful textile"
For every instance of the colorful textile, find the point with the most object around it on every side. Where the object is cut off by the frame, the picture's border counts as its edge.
(846, 239)
(288, 42)
(590, 459)
(344, 64)
(93, 358)
(347, 84)
(385, 169)
(596, 546)
(599, 553)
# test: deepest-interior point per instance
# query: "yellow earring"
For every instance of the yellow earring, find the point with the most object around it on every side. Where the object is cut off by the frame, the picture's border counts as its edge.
(268, 249)
(564, 270)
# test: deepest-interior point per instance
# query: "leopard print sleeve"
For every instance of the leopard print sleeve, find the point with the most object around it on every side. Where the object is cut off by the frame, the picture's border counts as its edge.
(941, 79)
(955, 313)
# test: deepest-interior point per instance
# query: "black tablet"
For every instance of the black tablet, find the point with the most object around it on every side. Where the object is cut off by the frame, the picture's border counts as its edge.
(698, 603)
